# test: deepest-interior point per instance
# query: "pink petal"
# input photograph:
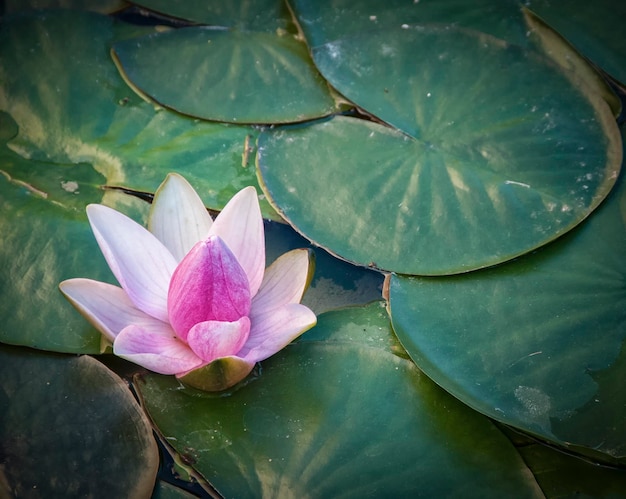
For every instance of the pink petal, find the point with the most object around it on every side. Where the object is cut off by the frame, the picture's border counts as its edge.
(284, 281)
(208, 285)
(161, 353)
(139, 261)
(107, 307)
(178, 217)
(240, 225)
(273, 330)
(213, 339)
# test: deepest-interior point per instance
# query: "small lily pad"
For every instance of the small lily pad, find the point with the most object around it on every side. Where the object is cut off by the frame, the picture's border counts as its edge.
(70, 427)
(230, 76)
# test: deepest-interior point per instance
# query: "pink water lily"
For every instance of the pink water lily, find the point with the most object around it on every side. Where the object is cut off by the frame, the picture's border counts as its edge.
(195, 298)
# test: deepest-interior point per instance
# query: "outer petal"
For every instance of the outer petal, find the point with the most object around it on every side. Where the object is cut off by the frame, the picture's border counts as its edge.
(107, 307)
(208, 285)
(178, 217)
(139, 261)
(273, 330)
(155, 350)
(213, 339)
(240, 225)
(284, 281)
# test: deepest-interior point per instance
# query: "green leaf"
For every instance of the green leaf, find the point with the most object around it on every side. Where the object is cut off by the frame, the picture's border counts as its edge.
(476, 174)
(230, 76)
(326, 21)
(365, 326)
(339, 418)
(70, 427)
(560, 475)
(594, 29)
(45, 239)
(537, 343)
(257, 15)
(566, 55)
(164, 490)
(103, 6)
(71, 106)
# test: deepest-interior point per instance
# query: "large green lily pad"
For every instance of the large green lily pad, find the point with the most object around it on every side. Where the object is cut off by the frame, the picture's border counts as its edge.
(257, 15)
(71, 106)
(496, 152)
(538, 343)
(339, 419)
(230, 76)
(71, 427)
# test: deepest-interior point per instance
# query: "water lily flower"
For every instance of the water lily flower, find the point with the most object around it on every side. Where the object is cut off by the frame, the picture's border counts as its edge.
(195, 299)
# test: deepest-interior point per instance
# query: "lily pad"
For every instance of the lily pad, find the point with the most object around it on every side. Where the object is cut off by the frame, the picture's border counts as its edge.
(45, 239)
(537, 343)
(70, 427)
(594, 29)
(566, 55)
(328, 20)
(496, 153)
(230, 76)
(560, 475)
(337, 419)
(253, 15)
(103, 6)
(71, 106)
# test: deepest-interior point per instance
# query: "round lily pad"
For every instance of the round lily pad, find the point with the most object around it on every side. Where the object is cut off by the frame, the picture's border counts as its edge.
(230, 76)
(69, 427)
(494, 153)
(338, 419)
(537, 343)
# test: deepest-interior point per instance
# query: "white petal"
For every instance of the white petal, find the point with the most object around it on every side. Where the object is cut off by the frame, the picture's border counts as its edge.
(284, 281)
(273, 330)
(178, 217)
(240, 225)
(107, 307)
(141, 263)
(155, 350)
